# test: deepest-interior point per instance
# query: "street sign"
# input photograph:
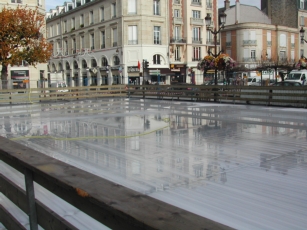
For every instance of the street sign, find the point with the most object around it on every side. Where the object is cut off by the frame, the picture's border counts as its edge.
(154, 71)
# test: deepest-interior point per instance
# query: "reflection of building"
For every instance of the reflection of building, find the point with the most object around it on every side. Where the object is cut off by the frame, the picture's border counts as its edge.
(161, 146)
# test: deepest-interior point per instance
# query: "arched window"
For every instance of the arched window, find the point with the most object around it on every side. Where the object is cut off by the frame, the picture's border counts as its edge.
(84, 64)
(53, 67)
(116, 60)
(157, 59)
(67, 65)
(60, 67)
(76, 65)
(104, 62)
(93, 63)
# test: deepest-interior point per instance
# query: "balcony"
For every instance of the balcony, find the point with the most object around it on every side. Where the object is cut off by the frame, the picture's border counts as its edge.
(196, 2)
(178, 40)
(249, 42)
(210, 42)
(132, 42)
(249, 59)
(178, 20)
(177, 58)
(197, 40)
(197, 21)
(196, 59)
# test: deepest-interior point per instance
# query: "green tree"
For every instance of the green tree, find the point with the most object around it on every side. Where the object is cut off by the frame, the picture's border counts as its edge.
(21, 38)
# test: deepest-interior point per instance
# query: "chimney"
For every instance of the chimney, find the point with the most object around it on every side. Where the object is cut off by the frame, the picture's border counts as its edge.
(237, 20)
(227, 4)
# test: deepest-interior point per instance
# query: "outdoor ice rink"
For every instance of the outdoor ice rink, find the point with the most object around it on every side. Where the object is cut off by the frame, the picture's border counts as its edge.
(241, 165)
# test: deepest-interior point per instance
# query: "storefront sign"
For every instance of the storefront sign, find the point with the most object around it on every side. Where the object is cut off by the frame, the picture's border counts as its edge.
(155, 71)
(20, 74)
(133, 69)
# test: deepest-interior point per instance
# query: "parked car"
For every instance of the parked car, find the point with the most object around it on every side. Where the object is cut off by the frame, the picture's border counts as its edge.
(212, 82)
(287, 83)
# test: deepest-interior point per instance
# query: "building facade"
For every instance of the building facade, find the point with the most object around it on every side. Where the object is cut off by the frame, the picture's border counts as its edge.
(189, 38)
(105, 42)
(252, 40)
(24, 75)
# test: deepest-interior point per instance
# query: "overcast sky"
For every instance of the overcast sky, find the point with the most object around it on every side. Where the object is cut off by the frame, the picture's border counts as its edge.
(246, 2)
(51, 4)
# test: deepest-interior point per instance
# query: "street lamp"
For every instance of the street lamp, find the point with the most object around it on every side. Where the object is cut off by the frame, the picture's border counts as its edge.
(215, 32)
(302, 33)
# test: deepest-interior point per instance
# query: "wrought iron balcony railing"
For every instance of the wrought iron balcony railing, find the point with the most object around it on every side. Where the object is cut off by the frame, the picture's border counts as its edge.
(178, 40)
(250, 42)
(197, 40)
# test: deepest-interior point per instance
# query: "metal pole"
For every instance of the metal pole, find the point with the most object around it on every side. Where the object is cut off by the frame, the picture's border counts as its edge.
(215, 55)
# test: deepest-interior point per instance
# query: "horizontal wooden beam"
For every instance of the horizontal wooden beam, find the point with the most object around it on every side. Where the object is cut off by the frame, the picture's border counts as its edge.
(109, 203)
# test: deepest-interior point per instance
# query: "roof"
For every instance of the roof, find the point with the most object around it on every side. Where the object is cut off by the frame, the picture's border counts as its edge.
(245, 14)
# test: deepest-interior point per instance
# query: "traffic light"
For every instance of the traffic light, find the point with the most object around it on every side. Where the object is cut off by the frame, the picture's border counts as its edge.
(146, 64)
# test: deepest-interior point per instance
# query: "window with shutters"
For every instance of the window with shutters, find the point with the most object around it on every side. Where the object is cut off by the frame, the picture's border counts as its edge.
(114, 36)
(131, 6)
(282, 40)
(132, 35)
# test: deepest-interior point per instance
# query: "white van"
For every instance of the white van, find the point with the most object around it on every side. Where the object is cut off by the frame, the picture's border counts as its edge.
(62, 87)
(297, 76)
(254, 81)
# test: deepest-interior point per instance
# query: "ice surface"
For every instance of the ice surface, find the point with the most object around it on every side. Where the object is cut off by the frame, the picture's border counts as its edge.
(243, 166)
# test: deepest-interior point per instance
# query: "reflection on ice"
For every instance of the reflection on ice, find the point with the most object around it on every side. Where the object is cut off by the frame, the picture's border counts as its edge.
(230, 163)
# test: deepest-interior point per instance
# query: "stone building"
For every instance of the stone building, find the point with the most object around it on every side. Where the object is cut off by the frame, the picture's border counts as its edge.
(105, 42)
(24, 75)
(189, 37)
(251, 38)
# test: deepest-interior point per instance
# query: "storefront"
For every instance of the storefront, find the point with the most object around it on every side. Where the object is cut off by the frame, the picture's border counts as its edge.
(20, 79)
(133, 75)
(178, 73)
(116, 75)
(104, 72)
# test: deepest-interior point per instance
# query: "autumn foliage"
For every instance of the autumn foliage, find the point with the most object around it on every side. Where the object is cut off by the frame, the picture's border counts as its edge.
(21, 37)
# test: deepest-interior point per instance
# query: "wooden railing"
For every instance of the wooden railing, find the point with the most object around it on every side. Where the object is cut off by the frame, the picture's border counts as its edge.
(109, 203)
(262, 95)
(18, 96)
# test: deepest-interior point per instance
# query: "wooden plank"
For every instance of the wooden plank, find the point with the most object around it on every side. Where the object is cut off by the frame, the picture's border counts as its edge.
(9, 221)
(122, 208)
(46, 218)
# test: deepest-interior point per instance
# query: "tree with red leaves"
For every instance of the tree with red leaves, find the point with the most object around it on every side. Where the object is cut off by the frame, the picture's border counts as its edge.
(21, 38)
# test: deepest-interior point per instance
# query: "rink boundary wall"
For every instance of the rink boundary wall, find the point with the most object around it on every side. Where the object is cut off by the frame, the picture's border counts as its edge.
(257, 95)
(109, 203)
